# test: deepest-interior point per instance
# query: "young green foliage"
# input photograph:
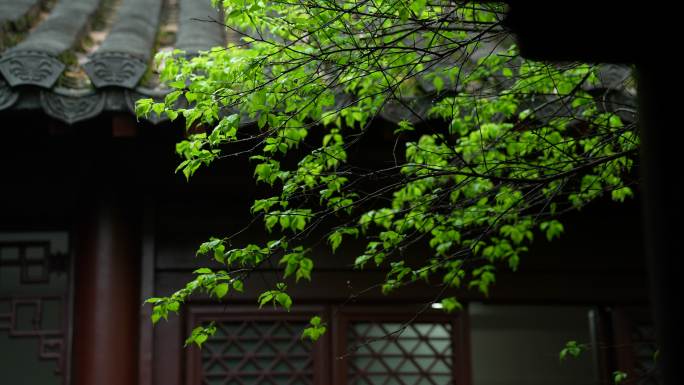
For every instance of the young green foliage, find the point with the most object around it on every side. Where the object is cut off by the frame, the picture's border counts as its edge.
(572, 349)
(316, 329)
(278, 296)
(489, 150)
(200, 335)
(619, 377)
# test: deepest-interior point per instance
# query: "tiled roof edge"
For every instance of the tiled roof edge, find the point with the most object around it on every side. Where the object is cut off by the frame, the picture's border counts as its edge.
(123, 57)
(35, 61)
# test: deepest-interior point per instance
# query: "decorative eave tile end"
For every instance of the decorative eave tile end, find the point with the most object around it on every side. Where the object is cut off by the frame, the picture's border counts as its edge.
(31, 68)
(7, 95)
(72, 108)
(115, 69)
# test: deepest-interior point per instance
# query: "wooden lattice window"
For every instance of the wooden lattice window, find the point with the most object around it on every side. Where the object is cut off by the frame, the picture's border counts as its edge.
(256, 348)
(380, 347)
(392, 353)
(371, 346)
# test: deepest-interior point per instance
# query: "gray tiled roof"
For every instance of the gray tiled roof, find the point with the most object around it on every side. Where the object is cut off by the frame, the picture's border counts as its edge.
(12, 11)
(76, 58)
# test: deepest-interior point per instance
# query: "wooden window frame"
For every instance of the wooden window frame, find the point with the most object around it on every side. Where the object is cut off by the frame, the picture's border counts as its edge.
(199, 314)
(329, 367)
(460, 343)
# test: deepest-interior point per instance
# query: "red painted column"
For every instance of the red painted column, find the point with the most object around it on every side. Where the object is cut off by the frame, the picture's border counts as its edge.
(107, 279)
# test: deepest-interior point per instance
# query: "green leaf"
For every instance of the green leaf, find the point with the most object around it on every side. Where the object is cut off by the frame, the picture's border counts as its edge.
(177, 84)
(143, 107)
(451, 304)
(221, 290)
(238, 286)
(552, 228)
(153, 300)
(335, 239)
(619, 377)
(265, 298)
(361, 260)
(219, 255)
(438, 83)
(173, 306)
(199, 339)
(304, 270)
(418, 6)
(284, 300)
(200, 334)
(208, 246)
(316, 330)
(572, 348)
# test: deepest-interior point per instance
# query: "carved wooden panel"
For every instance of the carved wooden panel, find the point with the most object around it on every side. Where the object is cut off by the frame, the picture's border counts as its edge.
(25, 318)
(32, 258)
(33, 299)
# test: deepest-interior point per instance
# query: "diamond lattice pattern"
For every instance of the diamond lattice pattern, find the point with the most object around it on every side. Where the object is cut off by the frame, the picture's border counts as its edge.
(391, 354)
(257, 352)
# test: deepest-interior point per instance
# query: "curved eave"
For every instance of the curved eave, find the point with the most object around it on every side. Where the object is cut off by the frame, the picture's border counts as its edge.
(113, 73)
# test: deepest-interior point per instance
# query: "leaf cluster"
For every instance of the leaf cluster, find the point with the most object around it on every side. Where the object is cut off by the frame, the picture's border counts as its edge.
(496, 150)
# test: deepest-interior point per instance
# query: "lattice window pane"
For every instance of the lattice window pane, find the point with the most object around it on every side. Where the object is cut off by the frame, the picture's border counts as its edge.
(257, 353)
(384, 354)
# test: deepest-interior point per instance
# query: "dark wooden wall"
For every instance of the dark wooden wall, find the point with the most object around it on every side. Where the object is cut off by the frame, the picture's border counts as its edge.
(598, 261)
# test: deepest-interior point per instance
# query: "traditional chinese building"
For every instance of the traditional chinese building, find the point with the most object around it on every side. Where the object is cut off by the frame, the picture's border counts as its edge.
(93, 220)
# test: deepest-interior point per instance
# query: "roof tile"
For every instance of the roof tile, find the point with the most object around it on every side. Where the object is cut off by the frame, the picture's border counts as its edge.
(123, 57)
(35, 61)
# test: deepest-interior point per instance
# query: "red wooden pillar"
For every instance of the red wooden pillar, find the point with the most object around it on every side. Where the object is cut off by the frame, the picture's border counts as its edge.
(107, 277)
